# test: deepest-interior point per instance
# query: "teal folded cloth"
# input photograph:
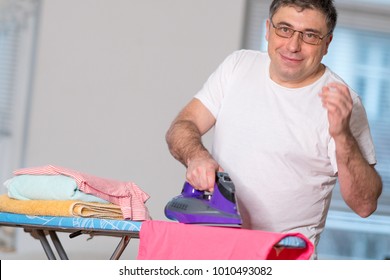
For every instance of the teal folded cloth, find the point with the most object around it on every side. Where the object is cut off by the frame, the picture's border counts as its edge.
(47, 187)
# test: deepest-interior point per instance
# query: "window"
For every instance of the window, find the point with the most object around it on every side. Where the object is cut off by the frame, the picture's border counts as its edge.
(7, 69)
(362, 58)
(360, 54)
(18, 30)
(18, 26)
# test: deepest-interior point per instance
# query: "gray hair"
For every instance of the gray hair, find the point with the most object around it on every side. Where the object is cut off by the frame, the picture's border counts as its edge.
(326, 7)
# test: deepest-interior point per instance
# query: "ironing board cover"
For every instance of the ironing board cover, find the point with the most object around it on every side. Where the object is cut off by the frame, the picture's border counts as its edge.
(70, 222)
(160, 240)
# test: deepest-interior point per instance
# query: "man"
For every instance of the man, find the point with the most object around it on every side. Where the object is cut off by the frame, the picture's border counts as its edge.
(285, 127)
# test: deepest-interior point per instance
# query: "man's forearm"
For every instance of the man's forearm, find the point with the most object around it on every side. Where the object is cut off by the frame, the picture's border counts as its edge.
(184, 141)
(360, 184)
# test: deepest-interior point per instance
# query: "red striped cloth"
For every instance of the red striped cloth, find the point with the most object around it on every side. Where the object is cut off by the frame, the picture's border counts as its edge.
(127, 195)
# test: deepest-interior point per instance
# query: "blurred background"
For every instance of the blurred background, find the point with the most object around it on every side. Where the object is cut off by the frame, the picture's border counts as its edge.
(93, 85)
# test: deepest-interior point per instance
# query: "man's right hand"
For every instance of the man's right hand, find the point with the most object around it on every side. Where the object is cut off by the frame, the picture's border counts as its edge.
(201, 173)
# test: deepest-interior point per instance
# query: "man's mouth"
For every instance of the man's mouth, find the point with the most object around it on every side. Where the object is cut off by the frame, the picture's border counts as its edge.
(291, 58)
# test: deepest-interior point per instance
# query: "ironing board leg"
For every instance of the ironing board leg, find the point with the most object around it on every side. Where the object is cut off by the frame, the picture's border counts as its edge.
(45, 244)
(120, 248)
(58, 245)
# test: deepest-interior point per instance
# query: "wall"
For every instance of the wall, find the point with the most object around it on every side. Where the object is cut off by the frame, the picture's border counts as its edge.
(110, 77)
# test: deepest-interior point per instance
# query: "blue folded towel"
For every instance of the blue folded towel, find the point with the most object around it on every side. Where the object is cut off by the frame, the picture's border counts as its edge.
(47, 187)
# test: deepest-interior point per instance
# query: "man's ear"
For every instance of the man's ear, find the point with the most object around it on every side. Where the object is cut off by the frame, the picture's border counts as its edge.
(267, 25)
(328, 40)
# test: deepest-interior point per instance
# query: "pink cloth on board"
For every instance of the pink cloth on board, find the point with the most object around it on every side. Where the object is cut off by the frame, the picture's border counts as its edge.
(160, 240)
(127, 195)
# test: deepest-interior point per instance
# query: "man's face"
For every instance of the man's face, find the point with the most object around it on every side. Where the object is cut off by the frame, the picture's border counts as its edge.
(295, 63)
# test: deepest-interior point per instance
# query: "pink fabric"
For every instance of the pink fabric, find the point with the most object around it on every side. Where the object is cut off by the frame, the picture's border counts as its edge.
(161, 240)
(127, 195)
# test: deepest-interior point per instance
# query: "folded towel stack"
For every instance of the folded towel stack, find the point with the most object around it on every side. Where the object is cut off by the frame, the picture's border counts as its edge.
(57, 191)
(64, 208)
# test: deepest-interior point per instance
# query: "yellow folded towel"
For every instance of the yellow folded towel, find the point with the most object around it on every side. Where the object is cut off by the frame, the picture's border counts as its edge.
(35, 207)
(96, 210)
(64, 208)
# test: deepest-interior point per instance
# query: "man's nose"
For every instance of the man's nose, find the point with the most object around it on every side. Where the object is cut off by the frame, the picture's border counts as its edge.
(294, 43)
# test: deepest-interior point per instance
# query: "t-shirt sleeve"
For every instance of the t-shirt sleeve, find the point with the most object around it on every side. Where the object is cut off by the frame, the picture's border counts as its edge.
(361, 131)
(213, 91)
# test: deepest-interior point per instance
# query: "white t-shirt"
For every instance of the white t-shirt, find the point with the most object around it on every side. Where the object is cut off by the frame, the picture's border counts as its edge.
(275, 144)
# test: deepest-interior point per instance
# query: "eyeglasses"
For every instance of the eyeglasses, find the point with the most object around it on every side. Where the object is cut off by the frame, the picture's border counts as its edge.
(307, 36)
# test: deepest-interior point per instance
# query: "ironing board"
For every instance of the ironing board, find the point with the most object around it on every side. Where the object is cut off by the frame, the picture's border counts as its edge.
(38, 226)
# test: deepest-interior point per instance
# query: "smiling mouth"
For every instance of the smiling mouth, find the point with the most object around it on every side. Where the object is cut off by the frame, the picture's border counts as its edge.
(291, 59)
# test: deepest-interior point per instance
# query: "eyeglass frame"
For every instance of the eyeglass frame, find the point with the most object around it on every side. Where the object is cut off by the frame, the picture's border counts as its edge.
(301, 33)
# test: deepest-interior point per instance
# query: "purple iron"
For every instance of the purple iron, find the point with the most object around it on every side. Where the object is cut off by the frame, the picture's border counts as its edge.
(197, 207)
